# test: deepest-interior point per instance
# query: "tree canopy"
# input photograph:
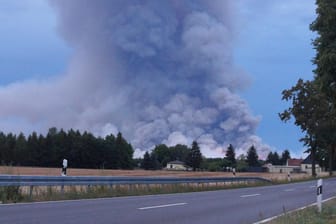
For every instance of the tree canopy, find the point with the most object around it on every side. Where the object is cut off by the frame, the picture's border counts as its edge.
(252, 157)
(82, 150)
(230, 155)
(313, 102)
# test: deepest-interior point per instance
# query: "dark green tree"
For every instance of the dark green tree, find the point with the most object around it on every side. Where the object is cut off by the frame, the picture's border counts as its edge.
(325, 61)
(284, 157)
(230, 155)
(111, 155)
(180, 152)
(163, 154)
(20, 149)
(155, 164)
(276, 159)
(125, 151)
(269, 158)
(147, 162)
(252, 157)
(9, 149)
(82, 150)
(195, 156)
(310, 110)
(33, 147)
(242, 165)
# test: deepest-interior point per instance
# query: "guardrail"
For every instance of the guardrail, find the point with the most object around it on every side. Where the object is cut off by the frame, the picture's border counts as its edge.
(18, 180)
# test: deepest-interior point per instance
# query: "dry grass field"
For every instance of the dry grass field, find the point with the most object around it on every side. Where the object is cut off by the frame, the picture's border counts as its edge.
(47, 193)
(12, 170)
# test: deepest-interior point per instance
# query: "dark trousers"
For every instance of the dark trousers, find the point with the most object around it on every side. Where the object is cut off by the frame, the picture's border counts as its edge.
(64, 170)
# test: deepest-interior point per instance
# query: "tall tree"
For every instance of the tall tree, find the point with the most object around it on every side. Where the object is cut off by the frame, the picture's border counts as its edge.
(284, 157)
(276, 158)
(163, 154)
(325, 61)
(273, 158)
(230, 155)
(126, 152)
(180, 152)
(252, 157)
(33, 158)
(269, 158)
(310, 109)
(20, 149)
(195, 156)
(146, 162)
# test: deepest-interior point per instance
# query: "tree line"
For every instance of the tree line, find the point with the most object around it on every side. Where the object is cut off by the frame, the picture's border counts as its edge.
(162, 154)
(192, 157)
(82, 150)
(313, 102)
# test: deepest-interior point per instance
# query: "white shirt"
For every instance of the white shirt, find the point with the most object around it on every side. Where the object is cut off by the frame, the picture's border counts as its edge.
(65, 163)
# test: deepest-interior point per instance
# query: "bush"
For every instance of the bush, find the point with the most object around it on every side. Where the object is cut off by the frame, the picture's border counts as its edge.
(10, 194)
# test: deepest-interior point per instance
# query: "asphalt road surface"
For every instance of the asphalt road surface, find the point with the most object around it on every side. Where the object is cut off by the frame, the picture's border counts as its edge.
(247, 205)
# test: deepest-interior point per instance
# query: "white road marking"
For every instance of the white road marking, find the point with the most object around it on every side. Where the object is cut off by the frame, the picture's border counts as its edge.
(162, 206)
(249, 195)
(287, 190)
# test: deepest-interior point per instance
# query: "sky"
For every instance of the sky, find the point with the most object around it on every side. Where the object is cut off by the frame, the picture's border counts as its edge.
(169, 72)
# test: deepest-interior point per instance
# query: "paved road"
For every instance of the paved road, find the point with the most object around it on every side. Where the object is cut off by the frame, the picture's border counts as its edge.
(247, 205)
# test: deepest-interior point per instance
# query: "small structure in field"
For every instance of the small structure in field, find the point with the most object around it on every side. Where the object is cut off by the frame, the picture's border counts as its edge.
(176, 165)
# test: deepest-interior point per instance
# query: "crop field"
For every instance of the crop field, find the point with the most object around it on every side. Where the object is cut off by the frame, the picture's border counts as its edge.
(12, 170)
(46, 193)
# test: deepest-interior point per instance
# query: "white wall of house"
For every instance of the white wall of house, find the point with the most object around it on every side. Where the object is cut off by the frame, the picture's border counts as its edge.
(282, 169)
(174, 166)
(308, 168)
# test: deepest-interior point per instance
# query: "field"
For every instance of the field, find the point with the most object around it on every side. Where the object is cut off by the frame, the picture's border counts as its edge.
(102, 172)
(21, 194)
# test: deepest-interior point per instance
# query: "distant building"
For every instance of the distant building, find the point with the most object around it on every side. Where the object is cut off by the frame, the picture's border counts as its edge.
(282, 168)
(306, 166)
(176, 165)
(294, 166)
(294, 162)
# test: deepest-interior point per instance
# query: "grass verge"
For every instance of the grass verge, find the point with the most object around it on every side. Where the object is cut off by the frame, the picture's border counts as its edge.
(25, 194)
(310, 215)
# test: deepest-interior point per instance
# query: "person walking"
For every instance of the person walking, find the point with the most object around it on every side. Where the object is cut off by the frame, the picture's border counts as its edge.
(64, 168)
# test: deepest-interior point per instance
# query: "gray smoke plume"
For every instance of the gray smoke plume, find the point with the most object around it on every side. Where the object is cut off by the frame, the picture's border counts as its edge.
(158, 71)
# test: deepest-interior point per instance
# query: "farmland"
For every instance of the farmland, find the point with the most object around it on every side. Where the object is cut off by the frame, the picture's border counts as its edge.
(15, 170)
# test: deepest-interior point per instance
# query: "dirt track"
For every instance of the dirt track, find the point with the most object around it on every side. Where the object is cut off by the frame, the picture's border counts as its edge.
(94, 172)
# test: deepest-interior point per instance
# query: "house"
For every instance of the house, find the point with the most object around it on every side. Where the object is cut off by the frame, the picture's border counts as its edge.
(294, 166)
(282, 168)
(176, 165)
(306, 166)
(294, 162)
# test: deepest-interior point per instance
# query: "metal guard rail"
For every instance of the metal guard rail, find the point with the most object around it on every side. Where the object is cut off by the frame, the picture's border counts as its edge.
(18, 180)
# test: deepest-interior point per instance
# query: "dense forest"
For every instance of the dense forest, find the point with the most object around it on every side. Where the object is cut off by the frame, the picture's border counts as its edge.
(82, 150)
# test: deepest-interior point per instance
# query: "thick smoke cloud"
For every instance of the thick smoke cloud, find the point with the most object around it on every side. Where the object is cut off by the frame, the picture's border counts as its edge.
(158, 71)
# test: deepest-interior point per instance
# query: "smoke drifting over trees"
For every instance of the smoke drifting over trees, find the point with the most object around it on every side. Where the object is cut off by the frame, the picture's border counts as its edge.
(158, 71)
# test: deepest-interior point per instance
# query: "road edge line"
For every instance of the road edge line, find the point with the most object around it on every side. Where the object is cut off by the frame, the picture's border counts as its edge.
(298, 209)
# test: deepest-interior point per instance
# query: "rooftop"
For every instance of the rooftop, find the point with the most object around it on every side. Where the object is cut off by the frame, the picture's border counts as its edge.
(294, 162)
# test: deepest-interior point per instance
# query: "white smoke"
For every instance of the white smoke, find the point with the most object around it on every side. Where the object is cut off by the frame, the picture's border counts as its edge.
(158, 71)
